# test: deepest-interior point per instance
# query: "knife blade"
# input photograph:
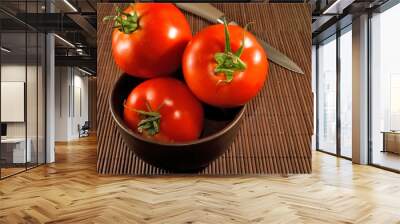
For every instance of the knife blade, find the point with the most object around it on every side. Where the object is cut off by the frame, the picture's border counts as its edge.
(214, 15)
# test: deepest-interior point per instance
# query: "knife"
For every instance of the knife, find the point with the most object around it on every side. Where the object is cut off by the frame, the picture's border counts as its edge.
(214, 15)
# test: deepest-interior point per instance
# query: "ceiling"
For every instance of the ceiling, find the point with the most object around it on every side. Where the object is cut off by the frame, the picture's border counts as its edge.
(72, 20)
(328, 16)
(75, 21)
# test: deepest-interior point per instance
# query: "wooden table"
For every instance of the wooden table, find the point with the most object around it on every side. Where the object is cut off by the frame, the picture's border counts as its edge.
(13, 150)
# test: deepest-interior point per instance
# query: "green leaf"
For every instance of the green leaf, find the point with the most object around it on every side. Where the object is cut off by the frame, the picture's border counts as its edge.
(107, 18)
(224, 70)
(118, 10)
(227, 61)
(134, 17)
(150, 121)
(220, 58)
(155, 125)
(151, 131)
(118, 19)
(240, 50)
(241, 65)
(126, 14)
(227, 37)
(145, 126)
(229, 76)
(125, 22)
(142, 122)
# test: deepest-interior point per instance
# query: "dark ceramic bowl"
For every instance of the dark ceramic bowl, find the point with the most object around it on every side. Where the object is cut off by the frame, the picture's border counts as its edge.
(220, 129)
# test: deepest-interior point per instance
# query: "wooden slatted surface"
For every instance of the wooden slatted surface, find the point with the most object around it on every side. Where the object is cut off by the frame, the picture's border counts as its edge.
(275, 136)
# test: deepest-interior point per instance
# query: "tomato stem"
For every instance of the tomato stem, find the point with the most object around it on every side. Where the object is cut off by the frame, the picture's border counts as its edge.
(227, 61)
(124, 22)
(150, 122)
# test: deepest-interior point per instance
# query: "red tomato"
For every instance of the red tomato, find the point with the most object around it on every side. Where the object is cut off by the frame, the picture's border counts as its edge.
(165, 110)
(152, 40)
(232, 81)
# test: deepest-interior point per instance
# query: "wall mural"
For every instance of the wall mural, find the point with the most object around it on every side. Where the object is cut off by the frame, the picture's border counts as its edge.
(177, 93)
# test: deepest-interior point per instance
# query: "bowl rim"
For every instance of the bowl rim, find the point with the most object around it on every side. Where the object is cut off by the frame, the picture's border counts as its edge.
(121, 124)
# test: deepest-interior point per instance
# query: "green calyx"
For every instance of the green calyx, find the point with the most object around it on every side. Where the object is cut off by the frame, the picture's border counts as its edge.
(227, 61)
(124, 22)
(150, 123)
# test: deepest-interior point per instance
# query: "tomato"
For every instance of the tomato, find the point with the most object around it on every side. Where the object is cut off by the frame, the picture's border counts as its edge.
(165, 110)
(225, 72)
(151, 40)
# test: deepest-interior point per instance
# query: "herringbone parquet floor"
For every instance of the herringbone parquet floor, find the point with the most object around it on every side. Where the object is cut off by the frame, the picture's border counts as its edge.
(70, 191)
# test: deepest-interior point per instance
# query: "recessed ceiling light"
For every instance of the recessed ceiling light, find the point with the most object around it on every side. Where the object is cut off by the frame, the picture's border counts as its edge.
(84, 71)
(338, 6)
(70, 5)
(65, 41)
(5, 50)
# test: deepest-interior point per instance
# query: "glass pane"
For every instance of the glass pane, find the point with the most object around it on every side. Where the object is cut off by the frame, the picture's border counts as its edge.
(385, 86)
(313, 85)
(14, 153)
(23, 82)
(41, 98)
(32, 85)
(327, 96)
(32, 96)
(346, 93)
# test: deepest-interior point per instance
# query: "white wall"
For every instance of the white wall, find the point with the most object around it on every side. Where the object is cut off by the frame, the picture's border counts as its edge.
(13, 101)
(61, 114)
(80, 110)
(16, 73)
(13, 72)
(70, 83)
(33, 127)
(9, 73)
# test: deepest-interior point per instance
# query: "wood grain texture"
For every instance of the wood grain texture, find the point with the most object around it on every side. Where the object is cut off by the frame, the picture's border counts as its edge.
(71, 191)
(275, 136)
(92, 95)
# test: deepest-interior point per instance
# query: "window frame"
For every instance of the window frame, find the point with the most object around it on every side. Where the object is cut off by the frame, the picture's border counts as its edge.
(31, 30)
(381, 9)
(338, 34)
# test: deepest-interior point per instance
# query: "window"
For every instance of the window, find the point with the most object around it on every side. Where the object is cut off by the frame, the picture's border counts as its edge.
(385, 89)
(22, 75)
(314, 89)
(334, 106)
(346, 92)
(327, 96)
